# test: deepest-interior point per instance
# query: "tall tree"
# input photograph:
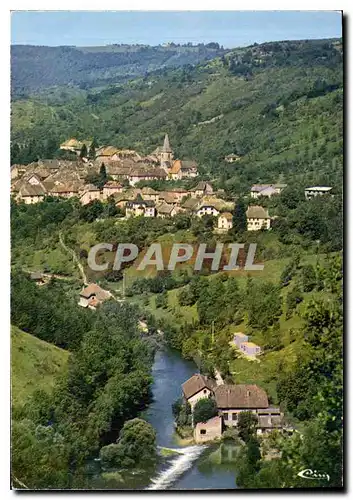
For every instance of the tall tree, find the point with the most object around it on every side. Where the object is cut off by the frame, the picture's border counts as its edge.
(204, 409)
(239, 217)
(92, 151)
(83, 152)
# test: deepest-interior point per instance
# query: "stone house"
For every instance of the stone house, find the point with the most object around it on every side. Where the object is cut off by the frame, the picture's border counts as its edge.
(67, 190)
(168, 197)
(178, 193)
(207, 209)
(257, 218)
(165, 210)
(93, 295)
(75, 146)
(110, 188)
(14, 172)
(202, 189)
(124, 154)
(232, 158)
(129, 195)
(150, 194)
(31, 193)
(269, 419)
(37, 277)
(140, 207)
(105, 153)
(225, 221)
(267, 190)
(312, 192)
(175, 171)
(183, 169)
(197, 387)
(208, 431)
(233, 399)
(146, 174)
(119, 171)
(188, 169)
(191, 204)
(90, 193)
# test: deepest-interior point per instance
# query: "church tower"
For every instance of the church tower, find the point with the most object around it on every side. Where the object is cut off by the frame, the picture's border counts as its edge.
(166, 154)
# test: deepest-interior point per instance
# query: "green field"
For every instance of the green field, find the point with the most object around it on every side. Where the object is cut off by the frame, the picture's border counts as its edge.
(35, 364)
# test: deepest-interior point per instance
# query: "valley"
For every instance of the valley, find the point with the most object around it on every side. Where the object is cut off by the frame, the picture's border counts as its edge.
(196, 146)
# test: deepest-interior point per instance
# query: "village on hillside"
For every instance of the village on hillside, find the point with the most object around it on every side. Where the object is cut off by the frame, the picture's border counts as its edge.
(123, 169)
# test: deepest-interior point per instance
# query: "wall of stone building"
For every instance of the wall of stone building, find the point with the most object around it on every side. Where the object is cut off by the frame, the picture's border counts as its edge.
(83, 302)
(90, 196)
(208, 431)
(231, 421)
(204, 393)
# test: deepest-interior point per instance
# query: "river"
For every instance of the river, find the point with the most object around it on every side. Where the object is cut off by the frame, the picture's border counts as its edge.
(200, 467)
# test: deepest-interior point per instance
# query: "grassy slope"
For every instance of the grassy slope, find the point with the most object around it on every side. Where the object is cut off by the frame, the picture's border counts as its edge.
(34, 365)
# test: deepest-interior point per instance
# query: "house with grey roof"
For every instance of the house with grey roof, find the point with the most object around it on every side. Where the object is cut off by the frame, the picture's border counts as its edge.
(266, 190)
(140, 207)
(257, 218)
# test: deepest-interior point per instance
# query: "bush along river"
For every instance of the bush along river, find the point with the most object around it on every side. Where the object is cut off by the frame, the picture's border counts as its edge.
(191, 467)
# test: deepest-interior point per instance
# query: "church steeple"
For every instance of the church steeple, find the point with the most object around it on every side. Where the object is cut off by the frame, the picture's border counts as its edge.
(166, 145)
(166, 154)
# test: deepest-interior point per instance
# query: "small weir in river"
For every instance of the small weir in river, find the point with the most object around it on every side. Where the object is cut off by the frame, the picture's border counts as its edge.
(180, 464)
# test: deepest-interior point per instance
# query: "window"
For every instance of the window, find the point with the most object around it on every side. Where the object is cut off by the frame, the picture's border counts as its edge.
(203, 431)
(235, 416)
(225, 416)
(205, 391)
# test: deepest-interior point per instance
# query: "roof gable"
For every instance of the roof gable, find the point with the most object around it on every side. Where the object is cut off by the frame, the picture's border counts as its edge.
(197, 383)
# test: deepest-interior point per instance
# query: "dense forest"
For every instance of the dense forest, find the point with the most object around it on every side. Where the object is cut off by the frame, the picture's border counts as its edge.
(34, 68)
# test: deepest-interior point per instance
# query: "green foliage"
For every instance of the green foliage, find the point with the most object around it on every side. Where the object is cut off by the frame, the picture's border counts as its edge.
(86, 67)
(83, 152)
(307, 278)
(247, 423)
(39, 456)
(162, 300)
(135, 447)
(248, 463)
(48, 312)
(204, 409)
(294, 297)
(264, 304)
(182, 413)
(239, 217)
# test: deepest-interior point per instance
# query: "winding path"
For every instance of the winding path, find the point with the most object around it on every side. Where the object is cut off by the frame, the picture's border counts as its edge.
(218, 377)
(75, 259)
